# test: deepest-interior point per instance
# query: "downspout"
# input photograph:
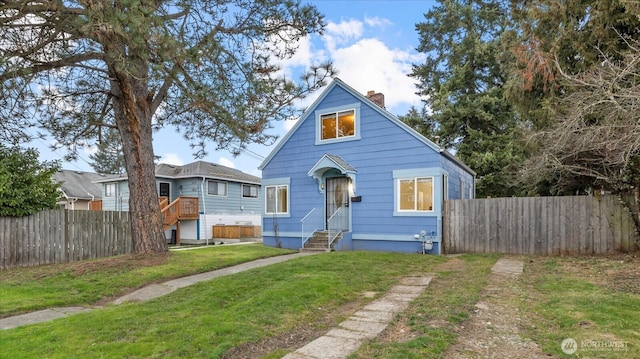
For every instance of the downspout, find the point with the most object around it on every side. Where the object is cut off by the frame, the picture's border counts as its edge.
(93, 198)
(203, 212)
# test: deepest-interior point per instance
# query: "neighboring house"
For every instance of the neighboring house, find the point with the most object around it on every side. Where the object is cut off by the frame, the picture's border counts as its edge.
(79, 190)
(225, 196)
(353, 172)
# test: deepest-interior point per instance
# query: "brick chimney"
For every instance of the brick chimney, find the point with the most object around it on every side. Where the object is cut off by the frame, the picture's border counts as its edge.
(376, 98)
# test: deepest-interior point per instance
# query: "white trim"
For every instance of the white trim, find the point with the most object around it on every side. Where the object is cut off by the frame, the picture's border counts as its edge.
(415, 197)
(387, 237)
(277, 182)
(281, 234)
(355, 107)
(435, 173)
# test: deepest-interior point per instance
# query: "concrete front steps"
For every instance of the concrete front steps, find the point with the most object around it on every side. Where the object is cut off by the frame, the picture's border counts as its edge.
(319, 242)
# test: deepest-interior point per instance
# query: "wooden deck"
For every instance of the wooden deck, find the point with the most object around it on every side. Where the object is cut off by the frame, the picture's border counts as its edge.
(183, 208)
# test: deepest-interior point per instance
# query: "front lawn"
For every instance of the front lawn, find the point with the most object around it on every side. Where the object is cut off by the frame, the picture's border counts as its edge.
(88, 282)
(265, 305)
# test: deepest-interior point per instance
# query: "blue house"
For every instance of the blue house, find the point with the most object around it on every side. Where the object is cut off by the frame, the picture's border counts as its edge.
(208, 194)
(352, 176)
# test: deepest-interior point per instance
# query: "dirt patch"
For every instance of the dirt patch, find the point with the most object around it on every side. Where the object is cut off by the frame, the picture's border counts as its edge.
(493, 330)
(400, 331)
(452, 265)
(118, 263)
(618, 272)
(303, 334)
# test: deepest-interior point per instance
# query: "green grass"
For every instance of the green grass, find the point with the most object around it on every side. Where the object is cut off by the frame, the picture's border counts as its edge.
(448, 301)
(207, 319)
(571, 298)
(87, 282)
(588, 299)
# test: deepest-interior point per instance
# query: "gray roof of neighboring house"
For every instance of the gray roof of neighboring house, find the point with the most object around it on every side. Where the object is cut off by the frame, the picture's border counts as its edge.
(196, 169)
(204, 169)
(78, 184)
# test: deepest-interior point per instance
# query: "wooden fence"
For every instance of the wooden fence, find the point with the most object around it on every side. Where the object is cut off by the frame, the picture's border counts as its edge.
(235, 231)
(60, 236)
(583, 225)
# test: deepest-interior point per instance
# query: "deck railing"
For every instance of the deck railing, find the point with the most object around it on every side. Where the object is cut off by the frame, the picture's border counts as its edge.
(181, 208)
(313, 221)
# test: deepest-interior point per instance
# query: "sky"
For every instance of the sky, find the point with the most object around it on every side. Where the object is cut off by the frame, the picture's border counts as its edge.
(371, 43)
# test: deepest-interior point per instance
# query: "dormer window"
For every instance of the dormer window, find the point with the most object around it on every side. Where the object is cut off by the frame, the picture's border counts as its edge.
(338, 124)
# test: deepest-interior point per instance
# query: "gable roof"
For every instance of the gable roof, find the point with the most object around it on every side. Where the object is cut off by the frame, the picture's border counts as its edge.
(197, 169)
(78, 184)
(380, 110)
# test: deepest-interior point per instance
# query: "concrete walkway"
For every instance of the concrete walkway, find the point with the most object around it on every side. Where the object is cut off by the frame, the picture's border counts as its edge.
(146, 293)
(364, 324)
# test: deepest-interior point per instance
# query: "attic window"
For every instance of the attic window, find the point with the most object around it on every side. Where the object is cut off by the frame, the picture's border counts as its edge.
(338, 124)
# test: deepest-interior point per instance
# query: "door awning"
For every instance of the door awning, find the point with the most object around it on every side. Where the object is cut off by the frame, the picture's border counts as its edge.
(330, 162)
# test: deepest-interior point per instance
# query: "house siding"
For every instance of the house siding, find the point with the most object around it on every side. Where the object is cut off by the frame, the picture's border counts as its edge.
(233, 203)
(119, 201)
(383, 147)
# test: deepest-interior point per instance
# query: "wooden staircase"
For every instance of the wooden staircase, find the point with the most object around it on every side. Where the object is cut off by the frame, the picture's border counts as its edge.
(183, 208)
(319, 242)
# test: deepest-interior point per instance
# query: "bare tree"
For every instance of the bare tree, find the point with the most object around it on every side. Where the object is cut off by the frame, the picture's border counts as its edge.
(594, 142)
(209, 68)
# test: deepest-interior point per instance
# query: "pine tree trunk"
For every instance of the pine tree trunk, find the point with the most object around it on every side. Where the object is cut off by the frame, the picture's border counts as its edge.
(133, 118)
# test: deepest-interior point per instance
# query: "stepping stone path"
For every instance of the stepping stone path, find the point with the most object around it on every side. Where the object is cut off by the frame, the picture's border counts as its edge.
(364, 324)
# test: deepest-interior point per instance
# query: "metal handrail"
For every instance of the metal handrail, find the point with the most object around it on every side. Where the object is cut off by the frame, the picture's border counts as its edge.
(335, 224)
(313, 221)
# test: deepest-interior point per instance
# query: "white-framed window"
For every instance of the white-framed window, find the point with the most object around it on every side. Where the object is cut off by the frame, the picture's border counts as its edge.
(415, 194)
(216, 188)
(277, 199)
(249, 191)
(109, 189)
(338, 124)
(462, 189)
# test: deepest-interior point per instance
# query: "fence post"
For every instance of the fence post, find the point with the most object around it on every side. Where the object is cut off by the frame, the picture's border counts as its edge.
(66, 236)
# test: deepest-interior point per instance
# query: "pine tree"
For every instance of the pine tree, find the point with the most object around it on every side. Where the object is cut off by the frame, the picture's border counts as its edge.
(109, 157)
(462, 83)
(209, 69)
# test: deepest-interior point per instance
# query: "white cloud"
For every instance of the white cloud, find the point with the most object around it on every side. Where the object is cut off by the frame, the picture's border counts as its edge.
(370, 65)
(377, 22)
(226, 162)
(363, 62)
(171, 159)
(341, 33)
